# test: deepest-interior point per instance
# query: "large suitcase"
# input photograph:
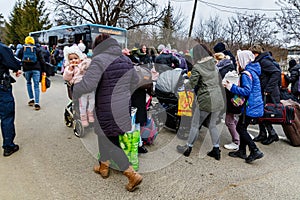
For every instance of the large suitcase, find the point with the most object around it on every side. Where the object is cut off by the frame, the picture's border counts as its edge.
(292, 131)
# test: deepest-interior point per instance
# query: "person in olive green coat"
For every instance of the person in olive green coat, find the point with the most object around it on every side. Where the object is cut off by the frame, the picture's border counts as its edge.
(210, 100)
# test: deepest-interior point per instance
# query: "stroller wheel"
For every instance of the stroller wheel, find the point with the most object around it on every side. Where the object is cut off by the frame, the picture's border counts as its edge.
(78, 129)
(68, 118)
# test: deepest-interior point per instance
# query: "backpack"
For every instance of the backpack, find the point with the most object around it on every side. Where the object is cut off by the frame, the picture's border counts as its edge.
(149, 132)
(29, 54)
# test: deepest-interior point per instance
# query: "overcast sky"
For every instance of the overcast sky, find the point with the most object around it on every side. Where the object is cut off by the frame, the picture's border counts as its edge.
(186, 6)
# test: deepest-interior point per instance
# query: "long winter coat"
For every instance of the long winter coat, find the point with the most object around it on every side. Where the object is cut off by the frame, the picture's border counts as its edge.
(250, 88)
(111, 75)
(205, 76)
(270, 78)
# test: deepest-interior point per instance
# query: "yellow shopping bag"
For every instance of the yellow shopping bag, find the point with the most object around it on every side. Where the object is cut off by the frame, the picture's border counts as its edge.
(185, 103)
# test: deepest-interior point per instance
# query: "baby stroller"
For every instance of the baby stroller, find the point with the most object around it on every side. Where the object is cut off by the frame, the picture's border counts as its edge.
(167, 87)
(72, 114)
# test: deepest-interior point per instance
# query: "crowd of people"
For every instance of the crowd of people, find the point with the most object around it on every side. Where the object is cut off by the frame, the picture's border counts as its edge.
(106, 89)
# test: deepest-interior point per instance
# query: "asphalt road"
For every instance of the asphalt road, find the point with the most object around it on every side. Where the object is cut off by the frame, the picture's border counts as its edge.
(53, 163)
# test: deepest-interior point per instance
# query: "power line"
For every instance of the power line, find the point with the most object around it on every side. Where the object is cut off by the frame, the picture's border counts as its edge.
(235, 7)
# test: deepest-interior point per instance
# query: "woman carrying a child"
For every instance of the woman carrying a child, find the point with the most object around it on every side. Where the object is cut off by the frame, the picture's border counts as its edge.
(76, 64)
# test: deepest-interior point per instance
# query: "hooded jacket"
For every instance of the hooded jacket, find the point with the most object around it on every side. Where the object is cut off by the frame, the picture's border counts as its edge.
(250, 88)
(111, 75)
(294, 79)
(270, 76)
(205, 76)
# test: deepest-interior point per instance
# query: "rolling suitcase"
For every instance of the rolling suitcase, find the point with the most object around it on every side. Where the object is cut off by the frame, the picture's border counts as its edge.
(292, 131)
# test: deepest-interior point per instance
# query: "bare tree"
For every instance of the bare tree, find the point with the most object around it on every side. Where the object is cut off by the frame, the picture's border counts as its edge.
(128, 14)
(249, 29)
(288, 19)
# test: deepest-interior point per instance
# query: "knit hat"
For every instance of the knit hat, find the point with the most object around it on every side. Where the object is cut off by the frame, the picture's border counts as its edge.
(245, 57)
(29, 40)
(72, 50)
(292, 63)
(160, 47)
(256, 49)
(220, 47)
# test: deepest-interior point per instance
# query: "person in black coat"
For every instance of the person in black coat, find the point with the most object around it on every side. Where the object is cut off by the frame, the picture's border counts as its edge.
(270, 80)
(294, 70)
(220, 48)
(225, 65)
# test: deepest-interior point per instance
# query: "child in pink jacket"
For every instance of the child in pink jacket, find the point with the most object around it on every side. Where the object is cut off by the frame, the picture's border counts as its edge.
(76, 64)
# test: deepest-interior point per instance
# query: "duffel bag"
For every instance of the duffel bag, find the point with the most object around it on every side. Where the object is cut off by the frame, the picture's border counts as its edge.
(277, 113)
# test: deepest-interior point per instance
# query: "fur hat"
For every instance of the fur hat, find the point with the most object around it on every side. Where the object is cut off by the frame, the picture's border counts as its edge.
(256, 49)
(292, 63)
(220, 47)
(29, 40)
(72, 50)
(81, 46)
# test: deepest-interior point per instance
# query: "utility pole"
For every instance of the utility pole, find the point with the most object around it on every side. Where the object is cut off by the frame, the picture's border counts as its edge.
(193, 16)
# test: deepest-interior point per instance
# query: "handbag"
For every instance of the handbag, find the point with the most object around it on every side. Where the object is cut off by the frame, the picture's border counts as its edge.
(277, 113)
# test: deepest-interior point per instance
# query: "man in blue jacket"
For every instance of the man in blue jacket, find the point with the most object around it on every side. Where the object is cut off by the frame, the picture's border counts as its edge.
(7, 103)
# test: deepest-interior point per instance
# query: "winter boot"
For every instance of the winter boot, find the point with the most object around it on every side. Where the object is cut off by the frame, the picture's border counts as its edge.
(84, 121)
(215, 153)
(255, 154)
(261, 137)
(102, 169)
(238, 154)
(273, 137)
(91, 117)
(133, 177)
(185, 150)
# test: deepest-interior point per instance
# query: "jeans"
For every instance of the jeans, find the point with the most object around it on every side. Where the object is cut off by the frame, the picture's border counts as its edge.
(245, 138)
(35, 76)
(7, 117)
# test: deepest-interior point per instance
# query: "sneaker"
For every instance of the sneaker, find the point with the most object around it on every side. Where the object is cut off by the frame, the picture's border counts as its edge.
(31, 103)
(231, 146)
(37, 107)
(10, 150)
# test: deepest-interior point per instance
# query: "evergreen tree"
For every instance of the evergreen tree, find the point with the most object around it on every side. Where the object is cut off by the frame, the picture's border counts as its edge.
(27, 16)
(1, 25)
(170, 25)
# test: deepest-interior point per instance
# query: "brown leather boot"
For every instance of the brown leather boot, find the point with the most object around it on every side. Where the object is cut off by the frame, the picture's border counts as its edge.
(102, 169)
(134, 179)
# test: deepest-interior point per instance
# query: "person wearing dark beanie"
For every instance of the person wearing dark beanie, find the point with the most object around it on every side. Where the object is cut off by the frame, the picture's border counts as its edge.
(220, 48)
(292, 63)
